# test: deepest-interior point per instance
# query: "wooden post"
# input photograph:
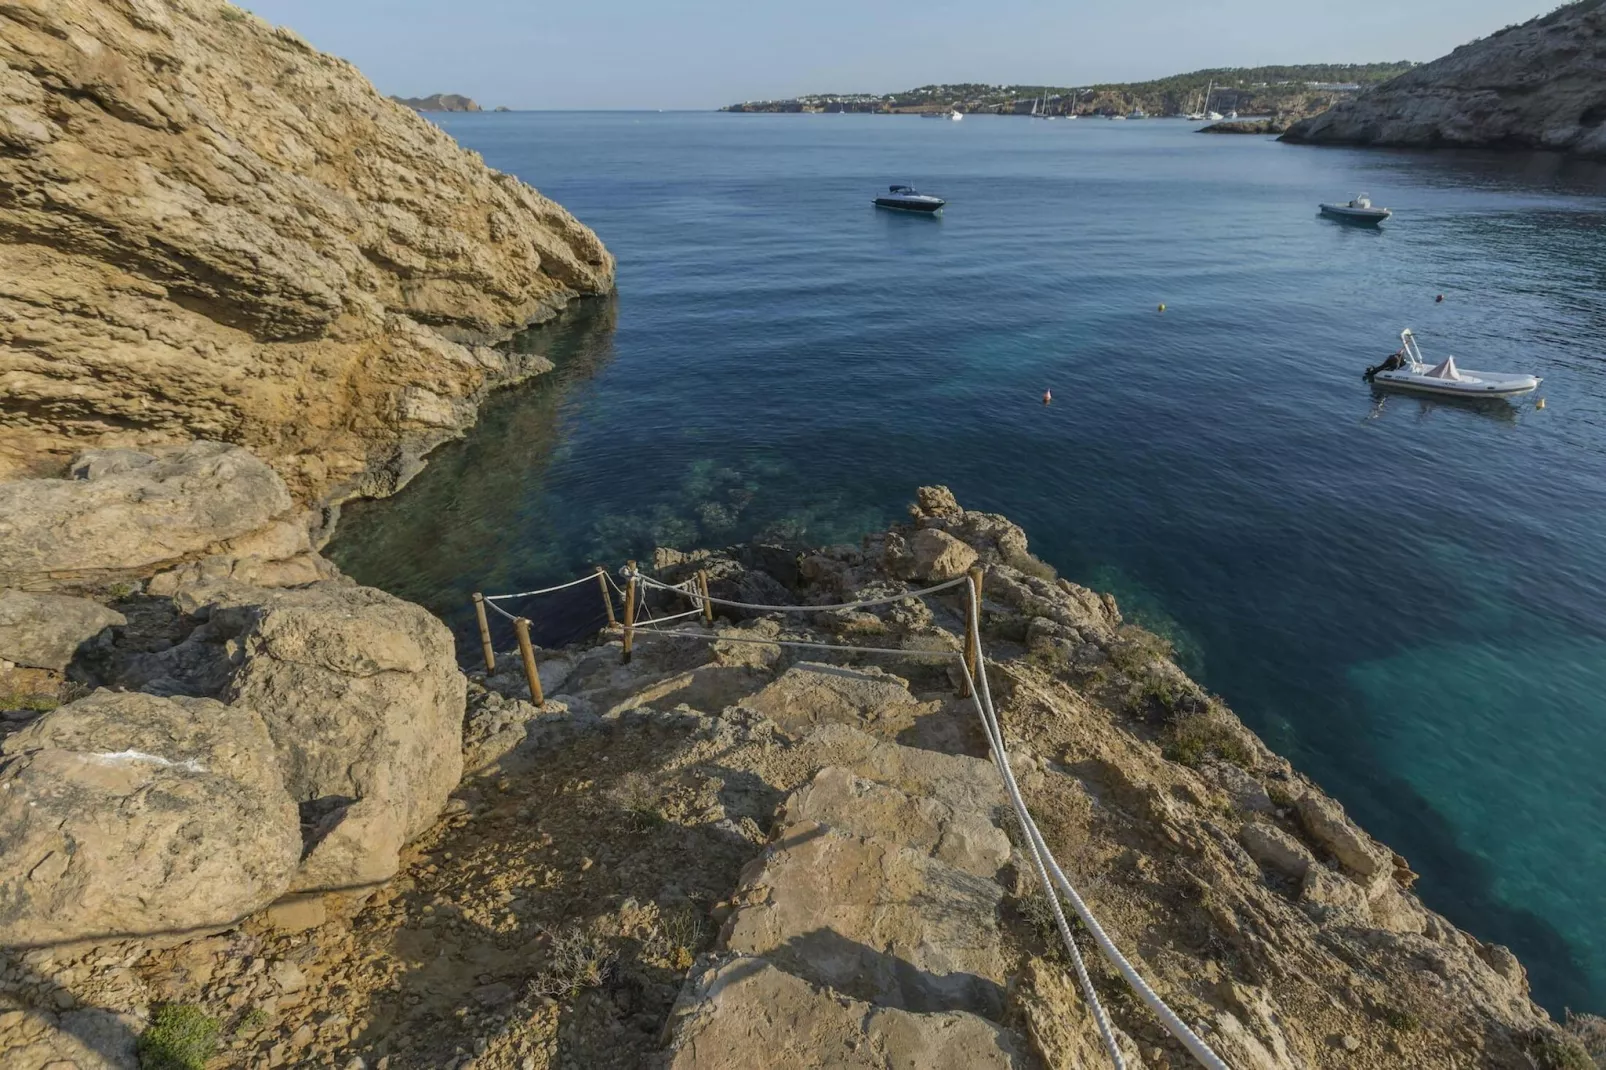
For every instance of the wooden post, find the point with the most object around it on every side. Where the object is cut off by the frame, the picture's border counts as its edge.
(522, 628)
(607, 599)
(485, 634)
(972, 629)
(630, 610)
(702, 586)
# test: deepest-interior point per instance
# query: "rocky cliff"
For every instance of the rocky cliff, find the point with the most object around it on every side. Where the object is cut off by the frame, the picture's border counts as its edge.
(1540, 85)
(208, 229)
(726, 852)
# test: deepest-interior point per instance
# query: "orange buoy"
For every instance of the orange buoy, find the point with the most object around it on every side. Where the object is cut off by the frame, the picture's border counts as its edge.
(1048, 395)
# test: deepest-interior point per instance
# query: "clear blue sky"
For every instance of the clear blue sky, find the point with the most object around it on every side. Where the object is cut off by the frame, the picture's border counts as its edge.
(704, 53)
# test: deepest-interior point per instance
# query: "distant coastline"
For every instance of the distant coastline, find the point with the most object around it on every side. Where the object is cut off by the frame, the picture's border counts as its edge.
(1293, 91)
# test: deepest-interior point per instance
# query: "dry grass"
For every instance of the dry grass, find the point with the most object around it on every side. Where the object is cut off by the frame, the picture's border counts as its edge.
(577, 960)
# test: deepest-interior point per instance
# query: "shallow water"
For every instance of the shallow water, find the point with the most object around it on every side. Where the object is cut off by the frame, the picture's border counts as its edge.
(1407, 598)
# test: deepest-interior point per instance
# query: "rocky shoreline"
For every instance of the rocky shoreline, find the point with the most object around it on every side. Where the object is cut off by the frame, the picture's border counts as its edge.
(715, 834)
(1540, 85)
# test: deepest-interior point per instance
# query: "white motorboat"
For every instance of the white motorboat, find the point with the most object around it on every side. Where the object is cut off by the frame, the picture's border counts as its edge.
(1360, 210)
(950, 114)
(909, 199)
(1408, 371)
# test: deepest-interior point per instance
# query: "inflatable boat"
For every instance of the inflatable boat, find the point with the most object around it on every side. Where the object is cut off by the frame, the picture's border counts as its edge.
(1408, 371)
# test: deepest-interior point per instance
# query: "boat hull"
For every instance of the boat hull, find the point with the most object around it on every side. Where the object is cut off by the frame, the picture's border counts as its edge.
(918, 207)
(1356, 215)
(1472, 385)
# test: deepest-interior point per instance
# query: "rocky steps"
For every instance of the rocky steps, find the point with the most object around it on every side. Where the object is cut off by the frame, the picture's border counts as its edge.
(722, 854)
(212, 230)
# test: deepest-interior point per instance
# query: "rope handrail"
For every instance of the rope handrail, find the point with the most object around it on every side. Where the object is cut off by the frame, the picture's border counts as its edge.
(650, 582)
(810, 646)
(592, 578)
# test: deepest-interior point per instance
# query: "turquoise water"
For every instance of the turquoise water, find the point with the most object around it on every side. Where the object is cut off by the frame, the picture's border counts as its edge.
(1407, 598)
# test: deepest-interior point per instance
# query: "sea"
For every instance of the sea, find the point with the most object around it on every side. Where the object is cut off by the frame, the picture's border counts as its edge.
(1405, 597)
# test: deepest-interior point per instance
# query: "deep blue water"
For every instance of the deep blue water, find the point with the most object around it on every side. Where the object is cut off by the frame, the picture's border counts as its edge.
(1406, 598)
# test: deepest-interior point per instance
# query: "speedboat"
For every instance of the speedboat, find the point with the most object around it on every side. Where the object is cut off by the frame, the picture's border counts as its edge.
(909, 199)
(1408, 371)
(1359, 210)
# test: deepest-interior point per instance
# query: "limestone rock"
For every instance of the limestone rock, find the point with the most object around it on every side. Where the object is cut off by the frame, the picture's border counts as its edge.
(129, 813)
(938, 556)
(361, 694)
(133, 513)
(1327, 824)
(83, 1039)
(965, 839)
(46, 631)
(812, 693)
(873, 920)
(217, 231)
(1540, 85)
(1275, 849)
(743, 1012)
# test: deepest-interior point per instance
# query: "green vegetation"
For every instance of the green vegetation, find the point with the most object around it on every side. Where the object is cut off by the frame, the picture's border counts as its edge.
(231, 13)
(1190, 740)
(1135, 650)
(31, 701)
(252, 1020)
(1296, 89)
(679, 936)
(1557, 1051)
(181, 1036)
(1402, 1020)
(1031, 565)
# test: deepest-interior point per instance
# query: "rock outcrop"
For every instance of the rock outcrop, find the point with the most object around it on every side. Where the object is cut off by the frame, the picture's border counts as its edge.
(1540, 85)
(212, 230)
(47, 631)
(124, 514)
(129, 814)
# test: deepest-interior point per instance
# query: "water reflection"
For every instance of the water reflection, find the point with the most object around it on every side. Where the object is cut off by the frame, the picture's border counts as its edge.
(1423, 408)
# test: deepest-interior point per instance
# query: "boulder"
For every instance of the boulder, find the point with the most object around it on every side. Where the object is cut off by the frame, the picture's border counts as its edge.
(364, 702)
(131, 514)
(125, 813)
(1275, 850)
(938, 556)
(1327, 824)
(735, 1009)
(83, 1039)
(46, 631)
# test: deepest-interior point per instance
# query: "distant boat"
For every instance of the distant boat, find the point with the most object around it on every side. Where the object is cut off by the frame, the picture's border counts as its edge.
(1359, 210)
(1232, 115)
(1041, 114)
(908, 199)
(1137, 113)
(1204, 113)
(950, 114)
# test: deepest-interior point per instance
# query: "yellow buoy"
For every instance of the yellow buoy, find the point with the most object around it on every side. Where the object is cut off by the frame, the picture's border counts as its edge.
(1539, 404)
(1162, 306)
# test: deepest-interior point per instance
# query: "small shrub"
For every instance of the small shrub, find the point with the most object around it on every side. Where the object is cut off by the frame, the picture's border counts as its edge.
(119, 591)
(1557, 1051)
(1402, 1020)
(577, 960)
(252, 1020)
(1191, 740)
(1031, 565)
(1590, 1031)
(1134, 650)
(231, 13)
(679, 936)
(181, 1036)
(637, 800)
(1036, 911)
(1052, 658)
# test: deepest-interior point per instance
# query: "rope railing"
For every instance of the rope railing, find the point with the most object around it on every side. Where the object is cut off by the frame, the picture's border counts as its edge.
(973, 670)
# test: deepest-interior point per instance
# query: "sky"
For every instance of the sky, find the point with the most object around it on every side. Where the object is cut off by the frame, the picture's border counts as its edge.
(707, 53)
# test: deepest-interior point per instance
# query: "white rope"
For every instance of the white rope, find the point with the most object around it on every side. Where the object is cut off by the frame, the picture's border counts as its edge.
(544, 590)
(1168, 1018)
(665, 620)
(648, 581)
(498, 609)
(810, 646)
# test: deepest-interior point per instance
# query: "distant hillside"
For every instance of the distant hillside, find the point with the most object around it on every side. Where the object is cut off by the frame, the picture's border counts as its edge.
(1540, 85)
(1287, 90)
(438, 102)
